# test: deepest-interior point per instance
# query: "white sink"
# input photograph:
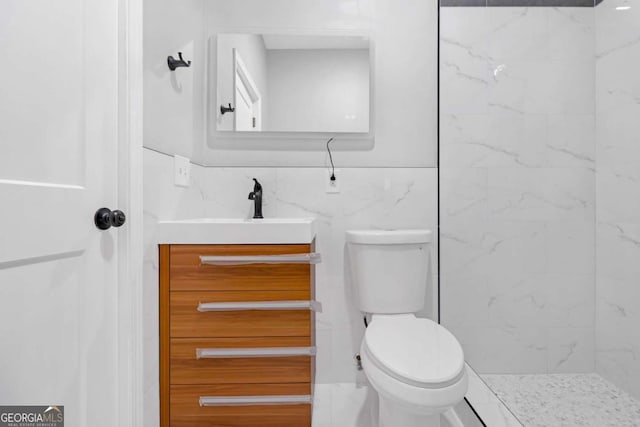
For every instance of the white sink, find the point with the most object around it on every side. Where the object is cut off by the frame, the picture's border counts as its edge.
(237, 231)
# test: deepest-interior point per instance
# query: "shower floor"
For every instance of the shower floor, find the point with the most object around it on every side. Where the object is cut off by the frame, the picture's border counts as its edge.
(565, 400)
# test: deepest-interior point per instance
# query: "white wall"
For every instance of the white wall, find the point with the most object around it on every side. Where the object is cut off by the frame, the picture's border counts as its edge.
(251, 49)
(318, 90)
(173, 123)
(518, 187)
(404, 35)
(174, 100)
(618, 195)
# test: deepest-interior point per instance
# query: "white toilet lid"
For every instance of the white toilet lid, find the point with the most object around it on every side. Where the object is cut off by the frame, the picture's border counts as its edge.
(417, 351)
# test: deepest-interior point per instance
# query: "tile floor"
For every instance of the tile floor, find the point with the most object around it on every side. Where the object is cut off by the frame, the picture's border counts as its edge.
(342, 405)
(350, 405)
(565, 400)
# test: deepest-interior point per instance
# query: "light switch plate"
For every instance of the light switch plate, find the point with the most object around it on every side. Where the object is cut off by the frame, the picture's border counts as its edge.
(333, 186)
(181, 171)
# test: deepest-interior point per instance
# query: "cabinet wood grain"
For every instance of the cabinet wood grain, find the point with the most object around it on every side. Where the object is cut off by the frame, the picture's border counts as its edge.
(184, 284)
(188, 274)
(187, 412)
(186, 368)
(187, 321)
(164, 256)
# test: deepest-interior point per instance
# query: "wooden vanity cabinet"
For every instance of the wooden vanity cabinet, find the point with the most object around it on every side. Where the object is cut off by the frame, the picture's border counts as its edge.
(190, 332)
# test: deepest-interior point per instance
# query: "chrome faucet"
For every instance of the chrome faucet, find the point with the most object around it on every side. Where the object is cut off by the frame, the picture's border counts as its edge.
(256, 196)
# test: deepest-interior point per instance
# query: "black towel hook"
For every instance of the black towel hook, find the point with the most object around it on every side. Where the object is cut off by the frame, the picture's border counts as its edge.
(228, 109)
(175, 63)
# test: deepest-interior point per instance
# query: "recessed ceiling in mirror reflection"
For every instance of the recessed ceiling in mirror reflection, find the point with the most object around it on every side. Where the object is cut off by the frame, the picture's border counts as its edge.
(293, 83)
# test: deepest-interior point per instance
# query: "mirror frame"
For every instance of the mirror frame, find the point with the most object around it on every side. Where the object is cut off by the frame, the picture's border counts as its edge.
(274, 141)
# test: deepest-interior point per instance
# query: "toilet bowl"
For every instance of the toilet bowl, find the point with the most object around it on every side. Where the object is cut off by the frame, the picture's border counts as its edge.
(417, 368)
(415, 365)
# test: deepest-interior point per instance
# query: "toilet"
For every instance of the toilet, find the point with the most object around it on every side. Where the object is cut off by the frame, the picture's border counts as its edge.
(415, 365)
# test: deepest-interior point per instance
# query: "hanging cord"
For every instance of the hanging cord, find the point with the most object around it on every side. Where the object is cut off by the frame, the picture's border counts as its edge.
(333, 169)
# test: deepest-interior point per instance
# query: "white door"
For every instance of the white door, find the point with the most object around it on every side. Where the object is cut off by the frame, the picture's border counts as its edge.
(247, 98)
(245, 111)
(58, 159)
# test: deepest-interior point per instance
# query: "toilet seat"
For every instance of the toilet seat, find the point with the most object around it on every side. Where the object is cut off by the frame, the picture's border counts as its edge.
(417, 352)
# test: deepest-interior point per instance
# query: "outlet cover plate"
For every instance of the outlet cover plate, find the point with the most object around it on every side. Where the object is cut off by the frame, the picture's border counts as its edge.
(333, 187)
(181, 171)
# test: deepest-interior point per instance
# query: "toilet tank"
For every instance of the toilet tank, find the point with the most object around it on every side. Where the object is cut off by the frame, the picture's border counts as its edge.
(389, 269)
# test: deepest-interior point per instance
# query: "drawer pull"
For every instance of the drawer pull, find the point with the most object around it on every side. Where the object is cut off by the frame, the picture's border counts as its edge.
(310, 258)
(227, 353)
(260, 305)
(255, 400)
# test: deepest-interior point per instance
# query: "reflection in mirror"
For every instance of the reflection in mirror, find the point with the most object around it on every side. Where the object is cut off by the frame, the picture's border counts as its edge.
(293, 83)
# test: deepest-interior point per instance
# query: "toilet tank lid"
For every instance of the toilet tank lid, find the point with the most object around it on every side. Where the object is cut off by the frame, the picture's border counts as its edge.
(388, 237)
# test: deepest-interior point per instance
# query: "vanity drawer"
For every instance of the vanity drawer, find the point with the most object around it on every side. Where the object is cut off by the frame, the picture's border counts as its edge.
(187, 322)
(186, 411)
(187, 273)
(187, 368)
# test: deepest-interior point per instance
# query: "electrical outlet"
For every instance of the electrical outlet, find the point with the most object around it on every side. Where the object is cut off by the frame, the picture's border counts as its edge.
(181, 171)
(333, 186)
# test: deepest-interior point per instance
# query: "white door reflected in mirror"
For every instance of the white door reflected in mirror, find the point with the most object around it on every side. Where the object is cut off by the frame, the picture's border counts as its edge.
(293, 83)
(247, 100)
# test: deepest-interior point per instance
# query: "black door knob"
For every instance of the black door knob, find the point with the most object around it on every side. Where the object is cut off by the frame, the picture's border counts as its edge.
(105, 218)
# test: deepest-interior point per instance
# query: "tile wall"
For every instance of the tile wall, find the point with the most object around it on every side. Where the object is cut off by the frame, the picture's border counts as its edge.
(618, 194)
(369, 198)
(517, 165)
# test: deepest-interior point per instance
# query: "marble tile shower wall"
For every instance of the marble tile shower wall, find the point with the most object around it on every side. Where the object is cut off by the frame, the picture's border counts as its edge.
(618, 195)
(517, 159)
(369, 198)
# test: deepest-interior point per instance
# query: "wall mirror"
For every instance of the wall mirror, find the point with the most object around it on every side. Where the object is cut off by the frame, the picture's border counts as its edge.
(293, 83)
